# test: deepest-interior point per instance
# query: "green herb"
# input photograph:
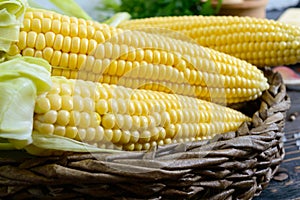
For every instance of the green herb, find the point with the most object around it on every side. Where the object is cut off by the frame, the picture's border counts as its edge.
(208, 9)
(143, 9)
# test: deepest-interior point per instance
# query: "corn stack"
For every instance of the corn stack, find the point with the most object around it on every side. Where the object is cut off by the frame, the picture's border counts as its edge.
(126, 89)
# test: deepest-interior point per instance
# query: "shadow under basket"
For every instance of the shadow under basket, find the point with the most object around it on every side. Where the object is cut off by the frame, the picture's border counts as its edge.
(235, 165)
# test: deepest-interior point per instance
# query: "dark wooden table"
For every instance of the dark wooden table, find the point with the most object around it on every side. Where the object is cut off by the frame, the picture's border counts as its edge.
(286, 183)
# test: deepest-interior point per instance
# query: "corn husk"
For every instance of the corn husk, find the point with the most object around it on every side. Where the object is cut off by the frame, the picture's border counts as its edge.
(11, 15)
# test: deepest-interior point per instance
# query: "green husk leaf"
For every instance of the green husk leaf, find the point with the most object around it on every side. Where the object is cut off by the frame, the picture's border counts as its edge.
(21, 79)
(11, 15)
(59, 143)
(71, 8)
(33, 4)
(118, 18)
(7, 146)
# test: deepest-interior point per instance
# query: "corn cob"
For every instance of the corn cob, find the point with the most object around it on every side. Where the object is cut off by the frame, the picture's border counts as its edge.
(261, 42)
(110, 116)
(88, 50)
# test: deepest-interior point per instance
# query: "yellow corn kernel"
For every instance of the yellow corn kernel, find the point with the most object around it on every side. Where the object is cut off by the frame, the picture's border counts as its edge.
(28, 52)
(50, 37)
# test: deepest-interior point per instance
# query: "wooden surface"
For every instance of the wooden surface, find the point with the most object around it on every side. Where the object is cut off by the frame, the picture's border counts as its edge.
(286, 183)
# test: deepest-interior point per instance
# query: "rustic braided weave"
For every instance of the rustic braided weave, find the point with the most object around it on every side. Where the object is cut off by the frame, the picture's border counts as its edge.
(235, 165)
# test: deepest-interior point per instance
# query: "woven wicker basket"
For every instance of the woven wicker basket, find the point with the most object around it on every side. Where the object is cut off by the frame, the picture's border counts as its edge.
(235, 165)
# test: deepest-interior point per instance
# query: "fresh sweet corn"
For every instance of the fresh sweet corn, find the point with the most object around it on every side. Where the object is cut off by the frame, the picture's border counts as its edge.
(111, 116)
(89, 50)
(261, 42)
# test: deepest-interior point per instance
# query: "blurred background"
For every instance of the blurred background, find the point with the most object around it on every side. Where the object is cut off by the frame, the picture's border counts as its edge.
(102, 9)
(276, 7)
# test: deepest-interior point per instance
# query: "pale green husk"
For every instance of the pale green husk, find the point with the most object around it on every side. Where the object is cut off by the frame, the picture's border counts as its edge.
(59, 143)
(11, 15)
(118, 18)
(71, 8)
(21, 80)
